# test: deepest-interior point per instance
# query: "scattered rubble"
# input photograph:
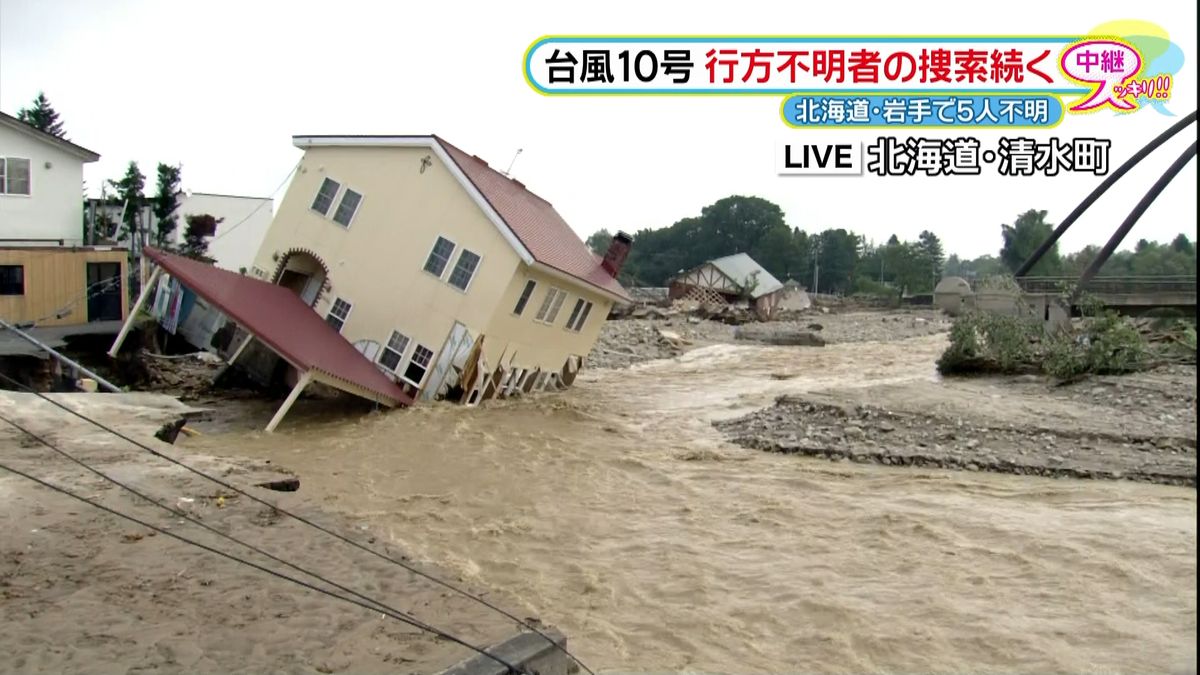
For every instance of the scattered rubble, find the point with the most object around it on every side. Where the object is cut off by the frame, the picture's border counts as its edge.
(1160, 449)
(654, 332)
(187, 376)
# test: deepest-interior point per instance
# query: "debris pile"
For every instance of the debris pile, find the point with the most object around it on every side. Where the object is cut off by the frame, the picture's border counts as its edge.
(661, 333)
(871, 434)
(187, 376)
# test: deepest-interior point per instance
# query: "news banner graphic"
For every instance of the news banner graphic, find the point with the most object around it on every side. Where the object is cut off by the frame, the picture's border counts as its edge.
(891, 156)
(949, 83)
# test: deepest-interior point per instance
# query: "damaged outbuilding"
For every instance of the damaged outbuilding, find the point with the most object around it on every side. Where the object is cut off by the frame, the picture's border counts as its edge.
(278, 319)
(731, 280)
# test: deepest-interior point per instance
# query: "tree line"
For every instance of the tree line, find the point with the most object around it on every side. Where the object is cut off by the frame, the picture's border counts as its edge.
(129, 199)
(840, 261)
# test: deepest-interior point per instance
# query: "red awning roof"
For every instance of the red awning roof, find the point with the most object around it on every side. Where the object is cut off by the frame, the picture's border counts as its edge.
(281, 320)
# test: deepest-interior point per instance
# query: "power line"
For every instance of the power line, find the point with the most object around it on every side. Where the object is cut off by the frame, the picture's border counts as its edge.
(87, 294)
(192, 519)
(524, 624)
(260, 205)
(399, 617)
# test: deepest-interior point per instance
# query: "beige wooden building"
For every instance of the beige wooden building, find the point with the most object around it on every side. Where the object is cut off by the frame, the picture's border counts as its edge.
(62, 286)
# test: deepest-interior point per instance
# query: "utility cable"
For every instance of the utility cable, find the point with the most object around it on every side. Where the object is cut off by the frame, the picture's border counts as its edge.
(371, 605)
(382, 556)
(233, 227)
(188, 517)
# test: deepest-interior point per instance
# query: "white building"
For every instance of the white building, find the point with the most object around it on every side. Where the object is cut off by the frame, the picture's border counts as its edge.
(41, 186)
(242, 224)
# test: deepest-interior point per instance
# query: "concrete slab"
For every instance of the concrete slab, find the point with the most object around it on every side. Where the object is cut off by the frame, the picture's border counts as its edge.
(134, 413)
(54, 337)
(529, 651)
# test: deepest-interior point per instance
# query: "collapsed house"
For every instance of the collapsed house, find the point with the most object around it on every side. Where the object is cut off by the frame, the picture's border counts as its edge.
(732, 280)
(442, 276)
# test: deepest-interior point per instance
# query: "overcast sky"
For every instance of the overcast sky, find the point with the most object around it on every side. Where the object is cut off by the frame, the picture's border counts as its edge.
(221, 86)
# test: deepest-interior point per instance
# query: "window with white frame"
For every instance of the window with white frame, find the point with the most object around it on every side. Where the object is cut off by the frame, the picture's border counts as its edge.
(393, 352)
(324, 199)
(548, 312)
(347, 208)
(579, 315)
(14, 176)
(418, 365)
(524, 299)
(439, 257)
(338, 314)
(464, 270)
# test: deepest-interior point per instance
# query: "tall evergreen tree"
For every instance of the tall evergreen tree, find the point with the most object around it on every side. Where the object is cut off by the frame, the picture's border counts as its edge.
(932, 256)
(42, 116)
(166, 202)
(130, 195)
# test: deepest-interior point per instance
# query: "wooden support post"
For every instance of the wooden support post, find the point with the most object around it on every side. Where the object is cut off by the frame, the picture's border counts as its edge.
(241, 348)
(291, 399)
(133, 312)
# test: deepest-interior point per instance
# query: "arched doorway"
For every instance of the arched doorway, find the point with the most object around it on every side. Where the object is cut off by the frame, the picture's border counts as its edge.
(303, 272)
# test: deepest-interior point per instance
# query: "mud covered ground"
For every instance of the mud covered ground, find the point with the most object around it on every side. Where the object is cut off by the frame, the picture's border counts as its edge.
(1138, 427)
(85, 591)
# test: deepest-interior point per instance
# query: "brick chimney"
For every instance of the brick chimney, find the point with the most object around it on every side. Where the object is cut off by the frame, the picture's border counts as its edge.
(618, 250)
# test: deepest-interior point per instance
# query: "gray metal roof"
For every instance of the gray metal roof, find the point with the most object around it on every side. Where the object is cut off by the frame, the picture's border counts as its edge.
(739, 266)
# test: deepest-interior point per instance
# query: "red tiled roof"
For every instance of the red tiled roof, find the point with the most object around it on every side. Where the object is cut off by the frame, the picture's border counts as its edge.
(535, 222)
(281, 320)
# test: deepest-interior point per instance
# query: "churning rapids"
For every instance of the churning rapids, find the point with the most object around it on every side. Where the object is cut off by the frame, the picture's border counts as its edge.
(617, 513)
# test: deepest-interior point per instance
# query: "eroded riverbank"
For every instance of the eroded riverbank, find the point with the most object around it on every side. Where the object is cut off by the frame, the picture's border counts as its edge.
(619, 513)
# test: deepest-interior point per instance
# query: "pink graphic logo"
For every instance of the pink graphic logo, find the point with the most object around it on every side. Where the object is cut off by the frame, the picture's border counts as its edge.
(1106, 65)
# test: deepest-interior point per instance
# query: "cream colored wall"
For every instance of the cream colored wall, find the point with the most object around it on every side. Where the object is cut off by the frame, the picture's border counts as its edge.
(525, 343)
(55, 280)
(377, 262)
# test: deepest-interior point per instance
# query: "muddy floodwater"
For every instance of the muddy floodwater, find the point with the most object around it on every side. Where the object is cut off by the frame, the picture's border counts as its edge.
(616, 512)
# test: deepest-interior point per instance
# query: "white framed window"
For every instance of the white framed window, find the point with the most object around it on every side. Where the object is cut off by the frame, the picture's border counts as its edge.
(439, 257)
(393, 351)
(579, 315)
(14, 176)
(338, 313)
(553, 301)
(325, 194)
(464, 270)
(524, 299)
(347, 207)
(418, 365)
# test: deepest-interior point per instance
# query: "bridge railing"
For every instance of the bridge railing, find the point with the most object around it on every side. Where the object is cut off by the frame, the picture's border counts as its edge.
(1112, 285)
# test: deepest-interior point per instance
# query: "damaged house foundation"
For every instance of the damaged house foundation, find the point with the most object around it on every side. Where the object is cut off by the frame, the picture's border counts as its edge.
(401, 268)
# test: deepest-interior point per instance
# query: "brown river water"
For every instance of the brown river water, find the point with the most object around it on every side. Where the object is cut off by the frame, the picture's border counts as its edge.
(617, 513)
